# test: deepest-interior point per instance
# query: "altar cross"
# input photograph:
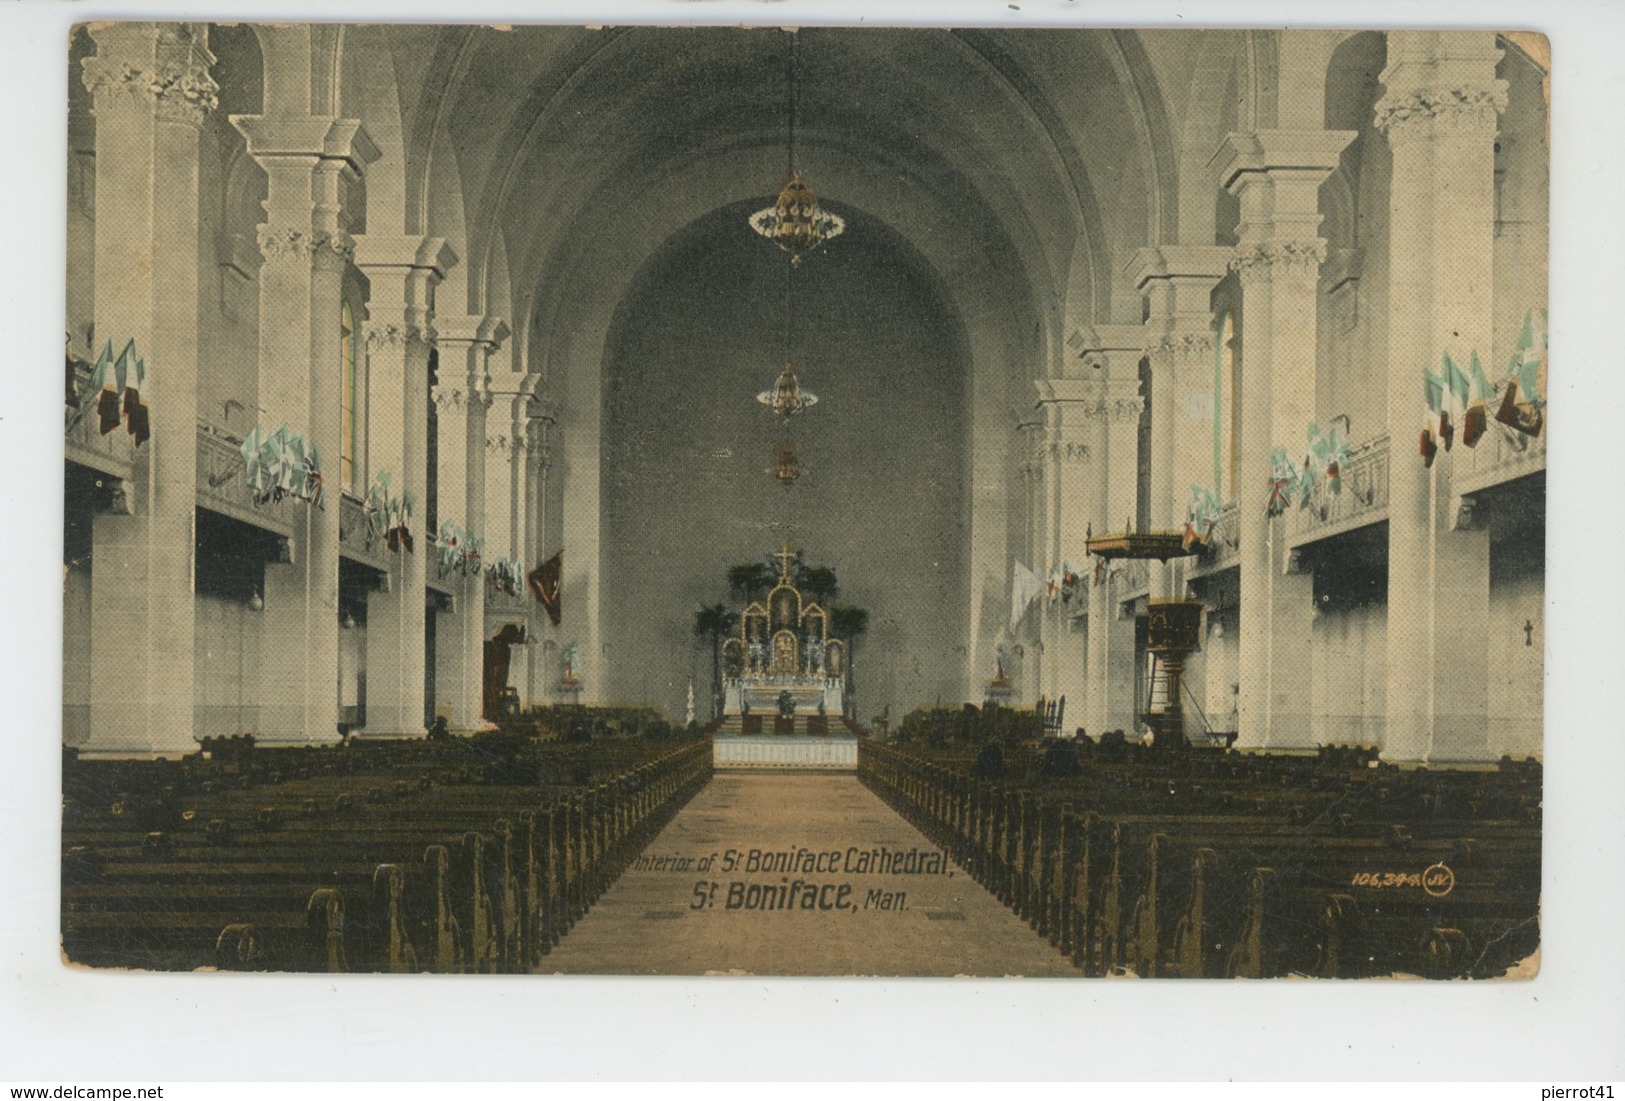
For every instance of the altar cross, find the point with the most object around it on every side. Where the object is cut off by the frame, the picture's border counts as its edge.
(785, 557)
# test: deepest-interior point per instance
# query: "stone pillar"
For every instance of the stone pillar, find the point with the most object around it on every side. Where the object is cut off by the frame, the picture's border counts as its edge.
(1074, 477)
(1112, 354)
(312, 166)
(460, 637)
(1177, 282)
(152, 90)
(403, 273)
(1439, 111)
(538, 459)
(1277, 176)
(1026, 668)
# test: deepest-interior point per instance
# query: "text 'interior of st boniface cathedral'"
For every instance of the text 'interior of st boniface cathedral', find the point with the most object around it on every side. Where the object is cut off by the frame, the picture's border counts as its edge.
(413, 372)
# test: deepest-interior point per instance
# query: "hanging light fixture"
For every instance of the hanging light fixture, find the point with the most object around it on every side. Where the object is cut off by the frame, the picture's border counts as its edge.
(787, 398)
(795, 222)
(786, 465)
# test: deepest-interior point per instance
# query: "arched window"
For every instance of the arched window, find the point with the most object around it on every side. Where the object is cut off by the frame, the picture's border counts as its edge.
(349, 392)
(1226, 425)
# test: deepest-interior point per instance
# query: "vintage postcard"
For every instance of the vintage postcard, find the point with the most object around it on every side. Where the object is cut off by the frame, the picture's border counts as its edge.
(825, 501)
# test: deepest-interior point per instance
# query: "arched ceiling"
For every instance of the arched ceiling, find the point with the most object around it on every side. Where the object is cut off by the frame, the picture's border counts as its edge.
(1023, 145)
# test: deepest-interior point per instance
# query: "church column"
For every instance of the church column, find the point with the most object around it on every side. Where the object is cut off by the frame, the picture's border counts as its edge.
(1277, 176)
(460, 636)
(152, 89)
(1439, 111)
(1177, 282)
(1028, 631)
(1113, 354)
(312, 166)
(1073, 473)
(538, 458)
(403, 273)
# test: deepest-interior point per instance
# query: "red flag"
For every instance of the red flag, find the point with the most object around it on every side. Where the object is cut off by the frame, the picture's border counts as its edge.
(1428, 447)
(543, 583)
(1473, 424)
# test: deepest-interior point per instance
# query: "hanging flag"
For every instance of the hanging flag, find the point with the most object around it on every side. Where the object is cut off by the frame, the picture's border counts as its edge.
(543, 583)
(1475, 420)
(1529, 361)
(1283, 484)
(111, 374)
(135, 401)
(1025, 585)
(401, 532)
(1330, 454)
(70, 396)
(1071, 583)
(253, 472)
(1434, 420)
(1201, 517)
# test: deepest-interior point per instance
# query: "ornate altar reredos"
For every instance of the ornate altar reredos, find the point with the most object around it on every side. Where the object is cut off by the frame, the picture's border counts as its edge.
(783, 645)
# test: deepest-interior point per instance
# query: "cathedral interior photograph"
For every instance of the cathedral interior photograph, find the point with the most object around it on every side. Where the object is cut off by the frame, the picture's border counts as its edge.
(624, 500)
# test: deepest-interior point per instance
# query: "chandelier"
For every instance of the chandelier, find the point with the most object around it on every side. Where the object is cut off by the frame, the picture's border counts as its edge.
(786, 466)
(787, 398)
(795, 222)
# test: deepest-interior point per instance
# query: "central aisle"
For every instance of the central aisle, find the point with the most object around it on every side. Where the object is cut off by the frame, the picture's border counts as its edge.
(906, 909)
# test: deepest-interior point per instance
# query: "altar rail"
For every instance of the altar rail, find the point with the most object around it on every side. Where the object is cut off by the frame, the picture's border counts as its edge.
(834, 754)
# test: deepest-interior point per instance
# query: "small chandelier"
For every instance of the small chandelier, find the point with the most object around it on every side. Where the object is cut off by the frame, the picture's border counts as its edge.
(786, 466)
(787, 398)
(795, 222)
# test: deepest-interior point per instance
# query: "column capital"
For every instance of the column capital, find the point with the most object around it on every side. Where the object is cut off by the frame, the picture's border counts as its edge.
(471, 330)
(281, 242)
(161, 66)
(395, 336)
(390, 253)
(1263, 156)
(1300, 258)
(271, 138)
(1098, 345)
(1440, 80)
(1406, 115)
(1177, 262)
(544, 408)
(404, 272)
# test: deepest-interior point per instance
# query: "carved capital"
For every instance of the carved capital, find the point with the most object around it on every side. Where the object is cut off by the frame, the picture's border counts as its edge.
(1406, 115)
(179, 90)
(1182, 347)
(294, 242)
(1291, 258)
(498, 444)
(1123, 409)
(447, 398)
(1068, 452)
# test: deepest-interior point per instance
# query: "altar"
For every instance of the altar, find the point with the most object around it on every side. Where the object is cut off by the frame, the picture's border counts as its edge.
(782, 661)
(784, 686)
(770, 695)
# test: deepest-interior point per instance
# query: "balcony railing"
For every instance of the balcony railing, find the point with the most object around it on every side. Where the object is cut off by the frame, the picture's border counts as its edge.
(1363, 500)
(1223, 544)
(1133, 577)
(356, 538)
(1501, 456)
(222, 485)
(500, 604)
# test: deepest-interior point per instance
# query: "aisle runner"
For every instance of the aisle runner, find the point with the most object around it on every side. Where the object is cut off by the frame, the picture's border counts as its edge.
(798, 874)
